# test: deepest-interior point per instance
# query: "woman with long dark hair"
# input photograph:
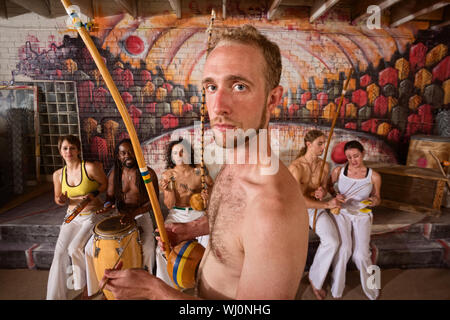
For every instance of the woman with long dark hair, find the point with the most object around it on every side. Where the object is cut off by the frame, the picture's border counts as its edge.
(359, 187)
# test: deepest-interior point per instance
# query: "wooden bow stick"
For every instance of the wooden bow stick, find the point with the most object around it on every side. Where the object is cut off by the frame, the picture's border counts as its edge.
(329, 137)
(126, 119)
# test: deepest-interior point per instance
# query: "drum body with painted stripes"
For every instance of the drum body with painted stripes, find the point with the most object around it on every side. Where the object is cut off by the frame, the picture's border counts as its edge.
(110, 239)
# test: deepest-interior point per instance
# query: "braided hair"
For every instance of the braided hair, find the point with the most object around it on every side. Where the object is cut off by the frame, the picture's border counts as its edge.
(118, 194)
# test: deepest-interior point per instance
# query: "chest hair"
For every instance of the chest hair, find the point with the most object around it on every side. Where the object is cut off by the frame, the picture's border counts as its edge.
(228, 201)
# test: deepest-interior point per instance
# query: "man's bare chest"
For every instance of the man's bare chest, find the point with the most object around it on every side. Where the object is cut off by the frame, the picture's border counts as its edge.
(310, 176)
(226, 211)
(186, 183)
(130, 189)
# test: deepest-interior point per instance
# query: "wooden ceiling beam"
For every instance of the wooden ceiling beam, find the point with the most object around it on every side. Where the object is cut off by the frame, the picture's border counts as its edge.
(298, 3)
(436, 15)
(176, 6)
(41, 7)
(273, 9)
(409, 10)
(361, 8)
(224, 9)
(440, 25)
(320, 8)
(130, 6)
(3, 10)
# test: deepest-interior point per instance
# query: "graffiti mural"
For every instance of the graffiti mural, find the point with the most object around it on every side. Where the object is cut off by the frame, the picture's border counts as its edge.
(400, 87)
(286, 142)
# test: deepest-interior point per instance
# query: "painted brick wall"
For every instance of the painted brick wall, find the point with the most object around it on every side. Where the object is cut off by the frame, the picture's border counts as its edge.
(401, 85)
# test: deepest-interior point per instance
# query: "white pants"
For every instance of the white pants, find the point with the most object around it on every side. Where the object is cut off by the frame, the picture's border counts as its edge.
(144, 222)
(180, 216)
(329, 245)
(63, 274)
(357, 247)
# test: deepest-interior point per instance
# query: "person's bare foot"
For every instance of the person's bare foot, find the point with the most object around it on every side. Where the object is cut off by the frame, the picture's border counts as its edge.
(323, 293)
(319, 293)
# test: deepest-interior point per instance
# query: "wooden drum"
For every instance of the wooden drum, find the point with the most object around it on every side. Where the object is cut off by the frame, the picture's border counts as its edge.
(110, 238)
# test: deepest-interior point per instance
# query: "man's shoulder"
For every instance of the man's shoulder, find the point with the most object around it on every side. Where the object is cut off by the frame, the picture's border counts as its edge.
(279, 188)
(281, 175)
(297, 164)
(278, 198)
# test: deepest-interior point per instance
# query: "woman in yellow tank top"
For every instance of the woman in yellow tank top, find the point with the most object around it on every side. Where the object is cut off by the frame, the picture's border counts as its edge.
(72, 184)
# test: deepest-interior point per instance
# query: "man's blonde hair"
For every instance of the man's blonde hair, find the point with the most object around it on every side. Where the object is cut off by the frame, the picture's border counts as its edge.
(249, 35)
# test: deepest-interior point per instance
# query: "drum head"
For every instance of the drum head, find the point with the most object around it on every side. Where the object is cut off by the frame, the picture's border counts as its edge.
(112, 226)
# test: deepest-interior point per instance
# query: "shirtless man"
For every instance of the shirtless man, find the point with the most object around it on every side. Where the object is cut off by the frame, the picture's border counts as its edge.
(179, 182)
(306, 170)
(258, 223)
(127, 193)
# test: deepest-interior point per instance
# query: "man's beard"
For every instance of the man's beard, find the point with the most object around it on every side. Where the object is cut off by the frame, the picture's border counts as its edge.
(129, 163)
(238, 136)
